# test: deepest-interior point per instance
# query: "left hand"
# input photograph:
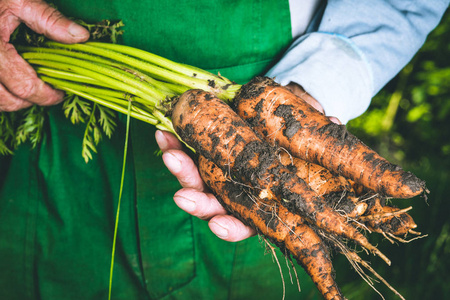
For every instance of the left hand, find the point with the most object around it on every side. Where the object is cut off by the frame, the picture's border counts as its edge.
(194, 197)
(299, 91)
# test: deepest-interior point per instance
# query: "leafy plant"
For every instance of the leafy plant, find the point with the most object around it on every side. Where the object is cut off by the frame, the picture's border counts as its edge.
(23, 126)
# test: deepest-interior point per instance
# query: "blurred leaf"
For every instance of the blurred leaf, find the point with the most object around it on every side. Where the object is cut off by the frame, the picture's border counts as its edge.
(419, 112)
(419, 141)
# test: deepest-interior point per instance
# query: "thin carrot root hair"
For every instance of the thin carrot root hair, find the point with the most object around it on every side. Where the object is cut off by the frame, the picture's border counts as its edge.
(357, 262)
(288, 231)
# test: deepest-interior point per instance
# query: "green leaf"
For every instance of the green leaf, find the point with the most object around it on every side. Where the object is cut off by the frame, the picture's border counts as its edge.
(7, 132)
(31, 126)
(76, 109)
(105, 30)
(4, 149)
(93, 131)
(418, 112)
(106, 120)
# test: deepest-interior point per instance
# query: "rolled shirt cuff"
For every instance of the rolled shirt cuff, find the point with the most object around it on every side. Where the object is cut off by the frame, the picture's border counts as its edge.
(332, 69)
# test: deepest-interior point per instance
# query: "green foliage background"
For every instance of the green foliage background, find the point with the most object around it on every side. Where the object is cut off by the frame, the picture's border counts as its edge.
(409, 123)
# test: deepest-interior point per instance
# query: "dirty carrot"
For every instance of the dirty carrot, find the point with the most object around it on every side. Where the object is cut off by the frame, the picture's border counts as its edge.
(290, 122)
(276, 223)
(335, 189)
(211, 127)
(388, 220)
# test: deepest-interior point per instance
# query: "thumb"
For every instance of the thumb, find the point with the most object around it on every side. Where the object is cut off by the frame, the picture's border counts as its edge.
(44, 19)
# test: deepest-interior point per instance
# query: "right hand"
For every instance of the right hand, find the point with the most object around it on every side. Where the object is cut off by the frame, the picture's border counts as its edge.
(19, 85)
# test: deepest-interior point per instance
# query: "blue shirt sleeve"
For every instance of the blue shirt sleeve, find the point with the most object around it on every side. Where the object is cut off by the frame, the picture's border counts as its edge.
(355, 48)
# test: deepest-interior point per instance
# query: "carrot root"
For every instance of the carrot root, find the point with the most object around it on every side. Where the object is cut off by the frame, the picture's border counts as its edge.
(286, 230)
(290, 122)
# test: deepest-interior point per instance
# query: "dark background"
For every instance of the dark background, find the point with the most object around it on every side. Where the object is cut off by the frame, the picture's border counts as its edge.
(409, 123)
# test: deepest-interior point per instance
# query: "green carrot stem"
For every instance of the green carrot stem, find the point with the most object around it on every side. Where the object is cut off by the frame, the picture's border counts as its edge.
(122, 180)
(114, 96)
(163, 62)
(85, 88)
(70, 76)
(144, 112)
(103, 73)
(97, 59)
(176, 88)
(154, 70)
(80, 55)
(123, 82)
(109, 104)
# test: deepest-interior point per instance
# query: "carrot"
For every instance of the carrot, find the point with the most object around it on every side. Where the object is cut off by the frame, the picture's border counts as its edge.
(115, 76)
(288, 121)
(275, 222)
(335, 189)
(388, 220)
(211, 127)
(112, 75)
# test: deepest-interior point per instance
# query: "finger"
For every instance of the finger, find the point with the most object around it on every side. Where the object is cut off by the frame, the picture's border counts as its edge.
(300, 92)
(335, 120)
(199, 204)
(167, 141)
(229, 228)
(313, 102)
(184, 169)
(20, 79)
(44, 19)
(10, 102)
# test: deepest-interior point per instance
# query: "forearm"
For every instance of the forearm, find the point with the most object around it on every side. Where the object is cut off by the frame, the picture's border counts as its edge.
(356, 48)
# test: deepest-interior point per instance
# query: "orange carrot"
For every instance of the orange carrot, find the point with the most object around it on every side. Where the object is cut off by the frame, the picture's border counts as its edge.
(335, 189)
(214, 130)
(387, 220)
(288, 121)
(286, 230)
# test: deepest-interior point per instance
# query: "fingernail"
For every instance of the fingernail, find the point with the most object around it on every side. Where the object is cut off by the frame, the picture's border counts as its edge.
(78, 31)
(335, 120)
(161, 140)
(218, 230)
(185, 204)
(172, 162)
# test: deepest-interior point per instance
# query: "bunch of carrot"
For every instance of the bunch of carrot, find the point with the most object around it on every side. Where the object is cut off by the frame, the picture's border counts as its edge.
(303, 182)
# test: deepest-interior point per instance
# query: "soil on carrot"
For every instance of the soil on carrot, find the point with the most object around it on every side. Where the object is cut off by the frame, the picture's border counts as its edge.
(290, 122)
(201, 121)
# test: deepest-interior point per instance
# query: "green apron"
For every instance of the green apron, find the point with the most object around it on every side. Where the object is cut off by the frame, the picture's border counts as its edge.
(57, 212)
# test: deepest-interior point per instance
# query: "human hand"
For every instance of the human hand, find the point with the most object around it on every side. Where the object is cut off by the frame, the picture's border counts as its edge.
(299, 91)
(194, 197)
(19, 85)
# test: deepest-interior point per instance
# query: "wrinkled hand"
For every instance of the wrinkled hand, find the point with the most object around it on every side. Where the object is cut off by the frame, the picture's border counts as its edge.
(194, 197)
(299, 91)
(19, 85)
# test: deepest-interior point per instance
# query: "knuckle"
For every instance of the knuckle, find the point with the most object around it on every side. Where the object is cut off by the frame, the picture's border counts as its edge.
(25, 89)
(187, 180)
(51, 16)
(13, 105)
